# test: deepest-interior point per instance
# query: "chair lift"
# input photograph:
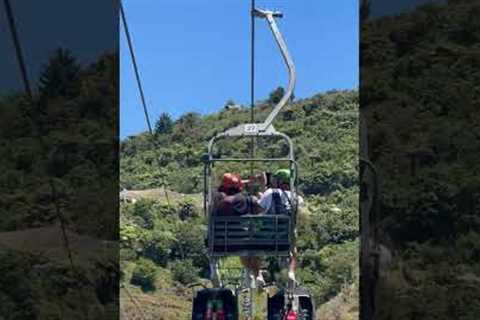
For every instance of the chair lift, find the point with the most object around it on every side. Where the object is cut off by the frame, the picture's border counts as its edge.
(240, 235)
(206, 302)
(237, 236)
(253, 235)
(278, 305)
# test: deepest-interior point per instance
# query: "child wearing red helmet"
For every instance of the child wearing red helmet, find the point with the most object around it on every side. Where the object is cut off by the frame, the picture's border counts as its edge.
(230, 201)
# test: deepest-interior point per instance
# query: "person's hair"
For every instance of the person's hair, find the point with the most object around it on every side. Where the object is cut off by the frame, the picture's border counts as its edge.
(232, 191)
(282, 185)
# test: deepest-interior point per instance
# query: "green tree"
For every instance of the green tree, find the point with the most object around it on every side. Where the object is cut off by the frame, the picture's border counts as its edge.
(164, 124)
(189, 235)
(189, 120)
(276, 95)
(230, 102)
(158, 246)
(60, 75)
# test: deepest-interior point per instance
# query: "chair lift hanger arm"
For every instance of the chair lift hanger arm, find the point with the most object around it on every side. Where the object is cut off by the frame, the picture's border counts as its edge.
(270, 16)
(266, 128)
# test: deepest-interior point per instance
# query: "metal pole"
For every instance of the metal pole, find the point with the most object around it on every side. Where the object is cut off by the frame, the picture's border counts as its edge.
(18, 49)
(252, 61)
(252, 82)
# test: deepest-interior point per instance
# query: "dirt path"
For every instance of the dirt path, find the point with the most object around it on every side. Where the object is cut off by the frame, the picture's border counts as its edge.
(49, 242)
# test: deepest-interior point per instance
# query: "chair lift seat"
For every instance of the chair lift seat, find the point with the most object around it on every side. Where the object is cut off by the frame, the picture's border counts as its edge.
(229, 299)
(250, 235)
(305, 303)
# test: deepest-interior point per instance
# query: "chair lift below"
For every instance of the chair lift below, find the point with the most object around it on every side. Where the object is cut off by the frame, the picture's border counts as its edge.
(206, 303)
(276, 304)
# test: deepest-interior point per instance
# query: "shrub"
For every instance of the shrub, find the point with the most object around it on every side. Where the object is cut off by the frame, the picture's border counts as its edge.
(190, 242)
(144, 274)
(158, 247)
(187, 210)
(184, 271)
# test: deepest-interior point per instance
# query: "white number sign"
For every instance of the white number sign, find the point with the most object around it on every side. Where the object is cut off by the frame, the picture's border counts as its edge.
(250, 128)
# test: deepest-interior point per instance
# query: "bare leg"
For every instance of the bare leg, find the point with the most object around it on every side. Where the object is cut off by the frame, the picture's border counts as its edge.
(214, 273)
(292, 266)
(253, 264)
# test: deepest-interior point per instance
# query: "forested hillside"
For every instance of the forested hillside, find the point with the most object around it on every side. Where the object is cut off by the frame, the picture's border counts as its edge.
(420, 98)
(58, 181)
(162, 248)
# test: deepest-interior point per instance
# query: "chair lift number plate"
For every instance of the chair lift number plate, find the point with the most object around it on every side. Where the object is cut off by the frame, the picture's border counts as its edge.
(251, 128)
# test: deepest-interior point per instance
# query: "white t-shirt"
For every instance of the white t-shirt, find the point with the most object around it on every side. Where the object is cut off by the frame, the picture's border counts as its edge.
(267, 198)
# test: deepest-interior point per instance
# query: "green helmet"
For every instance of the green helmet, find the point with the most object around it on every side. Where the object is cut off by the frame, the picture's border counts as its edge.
(283, 175)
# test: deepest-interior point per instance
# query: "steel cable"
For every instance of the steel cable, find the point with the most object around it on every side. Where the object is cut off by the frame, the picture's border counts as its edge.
(142, 96)
(28, 90)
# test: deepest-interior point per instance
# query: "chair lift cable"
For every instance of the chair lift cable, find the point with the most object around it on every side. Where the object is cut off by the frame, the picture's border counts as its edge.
(135, 67)
(140, 88)
(252, 62)
(147, 119)
(18, 49)
(252, 82)
(28, 90)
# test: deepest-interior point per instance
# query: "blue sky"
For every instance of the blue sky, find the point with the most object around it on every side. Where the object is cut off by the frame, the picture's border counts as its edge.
(41, 30)
(194, 55)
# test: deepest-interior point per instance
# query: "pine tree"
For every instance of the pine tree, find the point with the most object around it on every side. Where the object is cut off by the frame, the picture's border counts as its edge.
(164, 124)
(60, 75)
(365, 9)
(277, 94)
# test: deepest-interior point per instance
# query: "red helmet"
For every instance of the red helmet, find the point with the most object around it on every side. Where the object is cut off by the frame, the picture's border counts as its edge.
(231, 180)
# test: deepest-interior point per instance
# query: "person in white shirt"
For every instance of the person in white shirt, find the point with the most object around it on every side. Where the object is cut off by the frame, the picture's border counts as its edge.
(279, 200)
(281, 190)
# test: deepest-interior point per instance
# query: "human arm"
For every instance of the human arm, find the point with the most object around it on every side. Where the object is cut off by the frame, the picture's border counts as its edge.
(265, 201)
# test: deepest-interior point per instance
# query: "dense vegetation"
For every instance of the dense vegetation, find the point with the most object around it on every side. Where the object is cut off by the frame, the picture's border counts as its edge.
(162, 244)
(420, 96)
(58, 169)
